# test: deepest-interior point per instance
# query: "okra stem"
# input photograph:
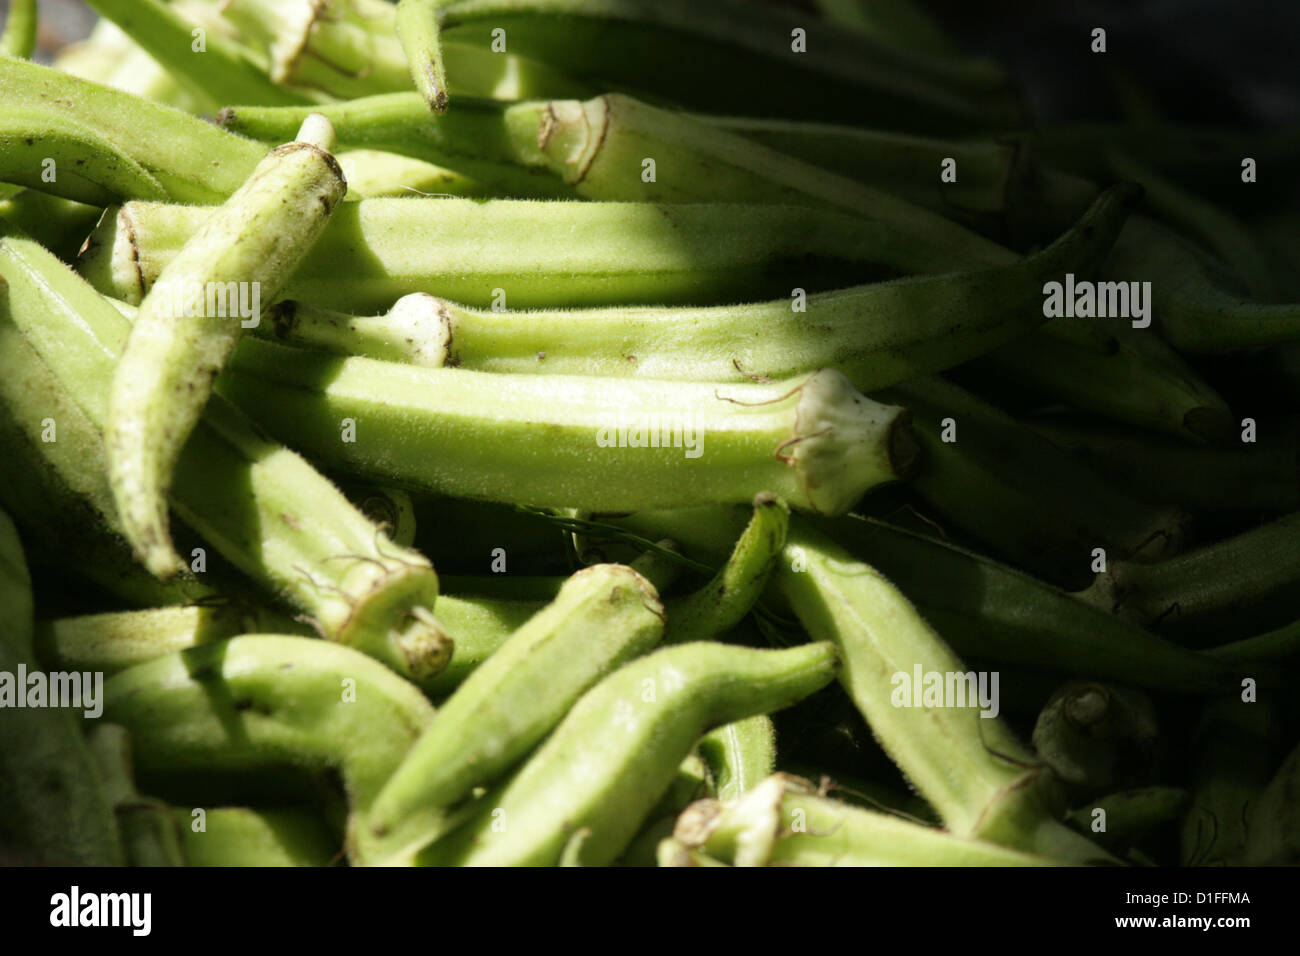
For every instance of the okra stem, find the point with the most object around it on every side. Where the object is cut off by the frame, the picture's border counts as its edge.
(417, 27)
(812, 440)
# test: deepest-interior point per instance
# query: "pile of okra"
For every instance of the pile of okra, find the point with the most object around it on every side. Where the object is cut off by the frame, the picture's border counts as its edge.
(824, 461)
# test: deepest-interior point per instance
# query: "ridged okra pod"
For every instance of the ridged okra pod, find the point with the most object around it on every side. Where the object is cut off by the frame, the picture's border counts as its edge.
(243, 493)
(604, 616)
(53, 808)
(257, 701)
(577, 254)
(187, 326)
(192, 160)
(784, 821)
(619, 748)
(875, 334)
(739, 755)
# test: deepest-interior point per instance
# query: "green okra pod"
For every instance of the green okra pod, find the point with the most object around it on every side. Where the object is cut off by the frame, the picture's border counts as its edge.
(739, 755)
(481, 626)
(578, 254)
(371, 173)
(1280, 644)
(1234, 756)
(256, 701)
(193, 160)
(149, 834)
(221, 69)
(417, 27)
(995, 478)
(1127, 816)
(604, 616)
(1264, 476)
(1194, 308)
(60, 225)
(812, 440)
(784, 821)
(875, 334)
(904, 23)
(187, 326)
(619, 748)
(722, 603)
(54, 810)
(58, 155)
(1271, 833)
(1098, 737)
(701, 56)
(251, 836)
(1223, 578)
(242, 492)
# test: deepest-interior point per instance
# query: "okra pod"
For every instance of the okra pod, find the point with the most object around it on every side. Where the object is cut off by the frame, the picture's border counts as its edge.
(813, 440)
(1097, 737)
(250, 836)
(1271, 834)
(700, 57)
(149, 833)
(332, 564)
(739, 755)
(1023, 496)
(53, 808)
(261, 700)
(784, 821)
(186, 327)
(604, 616)
(579, 254)
(903, 23)
(417, 28)
(19, 36)
(60, 225)
(620, 746)
(1280, 644)
(193, 160)
(1127, 816)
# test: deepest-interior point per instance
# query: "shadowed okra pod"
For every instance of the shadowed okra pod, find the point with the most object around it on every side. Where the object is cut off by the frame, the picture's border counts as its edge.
(246, 836)
(193, 160)
(1024, 496)
(703, 57)
(784, 821)
(187, 326)
(875, 334)
(243, 493)
(263, 700)
(578, 254)
(604, 616)
(560, 441)
(619, 748)
(1272, 838)
(1097, 738)
(1130, 814)
(53, 808)
(150, 835)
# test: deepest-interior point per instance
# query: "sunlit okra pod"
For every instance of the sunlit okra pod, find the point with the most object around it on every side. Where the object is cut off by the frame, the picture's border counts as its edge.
(875, 334)
(739, 755)
(371, 173)
(110, 57)
(784, 821)
(812, 440)
(578, 254)
(604, 616)
(1098, 737)
(150, 835)
(703, 57)
(248, 836)
(193, 160)
(53, 807)
(1264, 476)
(722, 603)
(262, 700)
(187, 326)
(619, 749)
(222, 70)
(1022, 495)
(243, 493)
(417, 28)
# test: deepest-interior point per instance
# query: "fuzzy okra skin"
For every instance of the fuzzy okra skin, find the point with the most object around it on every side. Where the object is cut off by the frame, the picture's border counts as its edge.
(193, 161)
(417, 27)
(700, 56)
(578, 254)
(243, 493)
(251, 836)
(1023, 495)
(619, 748)
(784, 821)
(604, 616)
(875, 334)
(177, 345)
(261, 700)
(53, 808)
(561, 441)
